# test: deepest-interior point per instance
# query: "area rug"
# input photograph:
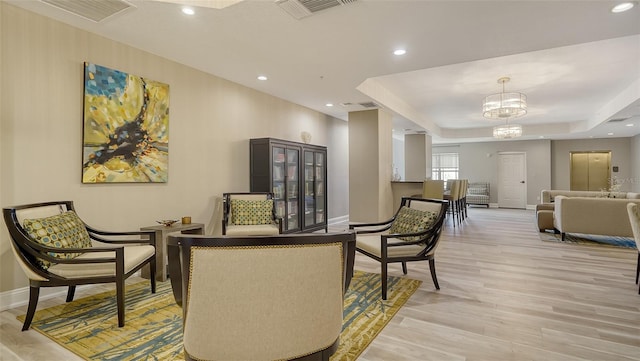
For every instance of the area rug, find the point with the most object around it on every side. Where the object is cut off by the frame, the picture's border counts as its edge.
(590, 239)
(153, 331)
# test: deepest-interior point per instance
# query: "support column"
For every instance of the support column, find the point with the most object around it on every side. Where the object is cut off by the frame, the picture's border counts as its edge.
(417, 157)
(370, 160)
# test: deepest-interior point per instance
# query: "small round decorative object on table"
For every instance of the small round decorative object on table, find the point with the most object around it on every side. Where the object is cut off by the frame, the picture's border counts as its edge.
(167, 222)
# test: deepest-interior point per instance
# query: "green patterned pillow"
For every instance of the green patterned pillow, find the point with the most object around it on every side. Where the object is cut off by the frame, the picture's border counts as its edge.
(246, 212)
(64, 230)
(411, 220)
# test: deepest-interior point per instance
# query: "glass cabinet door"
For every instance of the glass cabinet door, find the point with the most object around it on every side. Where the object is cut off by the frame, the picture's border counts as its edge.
(320, 187)
(309, 188)
(293, 209)
(285, 186)
(278, 181)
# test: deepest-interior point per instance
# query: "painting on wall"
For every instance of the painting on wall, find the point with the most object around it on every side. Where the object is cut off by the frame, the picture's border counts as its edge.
(126, 127)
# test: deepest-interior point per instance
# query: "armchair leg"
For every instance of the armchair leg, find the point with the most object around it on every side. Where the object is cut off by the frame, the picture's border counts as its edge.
(383, 277)
(152, 274)
(34, 293)
(432, 268)
(71, 293)
(638, 268)
(404, 267)
(120, 299)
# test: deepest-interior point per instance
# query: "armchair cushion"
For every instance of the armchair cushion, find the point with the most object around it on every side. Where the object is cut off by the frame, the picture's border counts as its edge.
(251, 212)
(410, 220)
(251, 230)
(134, 255)
(371, 244)
(65, 230)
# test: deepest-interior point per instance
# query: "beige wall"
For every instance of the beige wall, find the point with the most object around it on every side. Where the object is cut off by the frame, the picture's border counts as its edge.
(211, 121)
(338, 168)
(621, 157)
(547, 162)
(479, 163)
(417, 155)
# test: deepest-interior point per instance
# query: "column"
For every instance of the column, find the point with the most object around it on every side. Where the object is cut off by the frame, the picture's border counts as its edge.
(370, 161)
(417, 157)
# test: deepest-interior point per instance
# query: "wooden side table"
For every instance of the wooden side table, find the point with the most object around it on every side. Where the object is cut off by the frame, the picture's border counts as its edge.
(161, 245)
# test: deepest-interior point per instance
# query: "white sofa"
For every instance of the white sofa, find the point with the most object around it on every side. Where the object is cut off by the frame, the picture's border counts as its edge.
(548, 196)
(592, 215)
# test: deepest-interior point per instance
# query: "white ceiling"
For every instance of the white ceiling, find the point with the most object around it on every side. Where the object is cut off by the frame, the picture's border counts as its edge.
(578, 63)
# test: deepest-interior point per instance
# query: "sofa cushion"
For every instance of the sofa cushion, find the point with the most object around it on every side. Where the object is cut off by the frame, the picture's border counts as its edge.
(251, 212)
(65, 230)
(411, 220)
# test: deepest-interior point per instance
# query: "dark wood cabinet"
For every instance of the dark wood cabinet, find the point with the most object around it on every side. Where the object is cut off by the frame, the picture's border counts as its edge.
(296, 173)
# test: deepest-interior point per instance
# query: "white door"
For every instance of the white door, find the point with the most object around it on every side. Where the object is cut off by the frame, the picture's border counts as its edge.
(512, 187)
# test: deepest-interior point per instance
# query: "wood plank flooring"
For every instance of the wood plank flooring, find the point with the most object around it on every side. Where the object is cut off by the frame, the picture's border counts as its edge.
(505, 295)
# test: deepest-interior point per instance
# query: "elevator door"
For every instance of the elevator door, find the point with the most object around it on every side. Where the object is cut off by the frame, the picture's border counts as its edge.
(590, 171)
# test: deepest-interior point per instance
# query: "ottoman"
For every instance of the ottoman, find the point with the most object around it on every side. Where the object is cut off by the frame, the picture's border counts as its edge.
(544, 215)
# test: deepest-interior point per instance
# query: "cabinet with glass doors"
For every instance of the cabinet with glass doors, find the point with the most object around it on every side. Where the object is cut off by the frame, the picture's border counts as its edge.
(296, 174)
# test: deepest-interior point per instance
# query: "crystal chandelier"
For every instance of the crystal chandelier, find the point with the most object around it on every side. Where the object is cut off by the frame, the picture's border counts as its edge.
(507, 131)
(504, 105)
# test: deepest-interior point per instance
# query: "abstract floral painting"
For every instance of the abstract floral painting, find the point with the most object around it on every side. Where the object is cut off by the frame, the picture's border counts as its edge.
(126, 127)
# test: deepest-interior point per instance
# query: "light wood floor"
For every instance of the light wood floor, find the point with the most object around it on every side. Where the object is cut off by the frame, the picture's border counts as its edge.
(505, 295)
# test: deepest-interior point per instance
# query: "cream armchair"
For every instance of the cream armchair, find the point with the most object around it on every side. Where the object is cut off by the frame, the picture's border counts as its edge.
(56, 248)
(411, 235)
(249, 214)
(633, 209)
(261, 298)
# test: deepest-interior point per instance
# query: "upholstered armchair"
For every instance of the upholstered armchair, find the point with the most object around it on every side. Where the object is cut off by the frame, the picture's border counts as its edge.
(249, 214)
(634, 218)
(261, 297)
(56, 248)
(412, 234)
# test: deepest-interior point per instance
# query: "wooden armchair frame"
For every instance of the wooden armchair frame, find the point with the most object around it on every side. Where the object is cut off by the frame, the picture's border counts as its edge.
(428, 241)
(28, 251)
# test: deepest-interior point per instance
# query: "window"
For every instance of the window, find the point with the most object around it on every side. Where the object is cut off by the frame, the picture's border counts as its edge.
(444, 166)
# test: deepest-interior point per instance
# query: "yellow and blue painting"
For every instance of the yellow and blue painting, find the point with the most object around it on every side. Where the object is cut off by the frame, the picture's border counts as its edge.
(126, 127)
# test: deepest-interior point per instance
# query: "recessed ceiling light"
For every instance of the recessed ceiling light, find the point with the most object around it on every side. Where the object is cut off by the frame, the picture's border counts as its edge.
(262, 77)
(329, 104)
(609, 133)
(622, 7)
(399, 52)
(630, 125)
(188, 11)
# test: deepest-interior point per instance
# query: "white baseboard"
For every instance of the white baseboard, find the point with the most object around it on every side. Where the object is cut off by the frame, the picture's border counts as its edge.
(337, 220)
(20, 296)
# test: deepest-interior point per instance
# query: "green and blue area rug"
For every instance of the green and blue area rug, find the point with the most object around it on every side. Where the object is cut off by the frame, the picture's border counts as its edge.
(153, 331)
(589, 239)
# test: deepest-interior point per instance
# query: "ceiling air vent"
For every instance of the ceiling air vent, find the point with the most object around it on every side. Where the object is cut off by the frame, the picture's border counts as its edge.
(302, 8)
(369, 105)
(92, 10)
(617, 120)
